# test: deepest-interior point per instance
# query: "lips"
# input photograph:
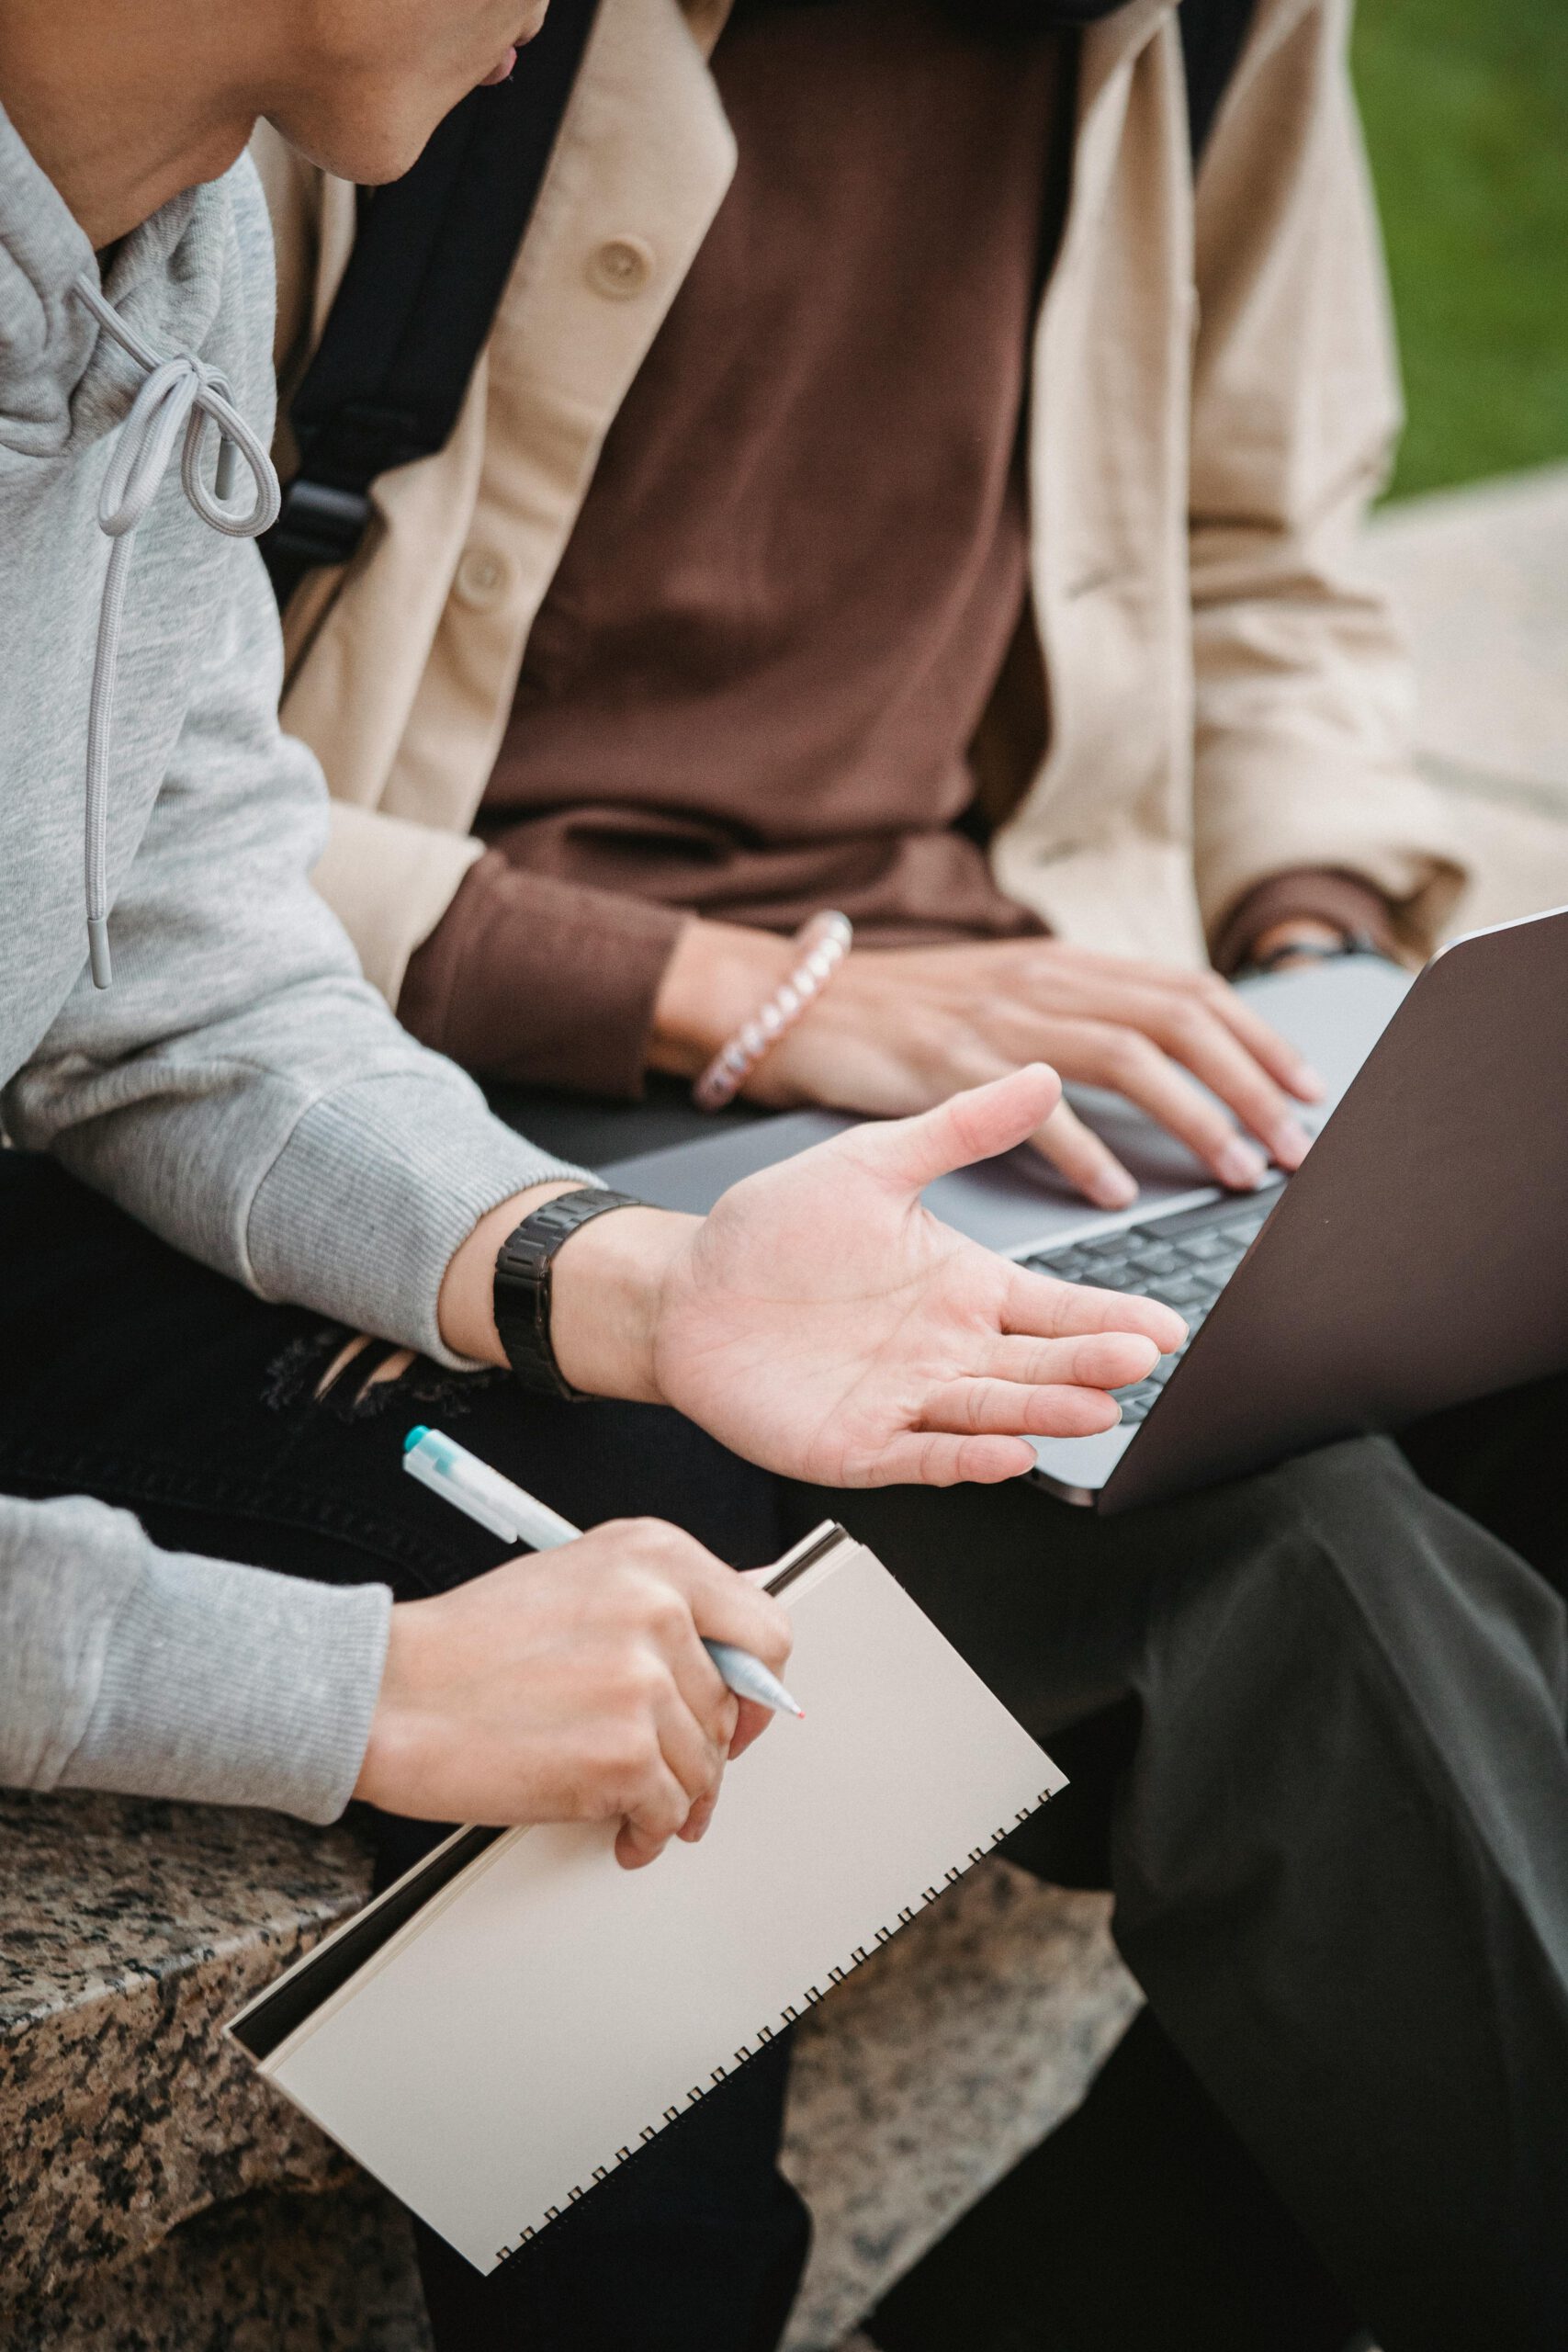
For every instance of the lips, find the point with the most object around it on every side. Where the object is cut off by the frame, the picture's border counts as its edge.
(503, 71)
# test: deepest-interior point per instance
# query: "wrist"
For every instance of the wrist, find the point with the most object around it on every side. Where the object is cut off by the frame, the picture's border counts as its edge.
(1308, 939)
(466, 1309)
(609, 1283)
(391, 1764)
(1310, 932)
(718, 975)
(1309, 906)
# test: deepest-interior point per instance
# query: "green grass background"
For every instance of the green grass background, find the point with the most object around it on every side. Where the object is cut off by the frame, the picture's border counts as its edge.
(1466, 109)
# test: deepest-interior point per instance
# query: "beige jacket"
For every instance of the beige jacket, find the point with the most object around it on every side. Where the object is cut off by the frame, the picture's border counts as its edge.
(1214, 401)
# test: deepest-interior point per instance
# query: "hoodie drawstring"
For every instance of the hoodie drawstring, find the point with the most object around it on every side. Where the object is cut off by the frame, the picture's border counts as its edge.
(179, 393)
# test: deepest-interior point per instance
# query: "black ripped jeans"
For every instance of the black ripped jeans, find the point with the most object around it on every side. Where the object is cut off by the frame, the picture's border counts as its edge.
(1315, 1722)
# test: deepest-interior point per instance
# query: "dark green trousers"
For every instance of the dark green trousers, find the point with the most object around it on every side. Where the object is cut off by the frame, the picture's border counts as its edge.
(1316, 1723)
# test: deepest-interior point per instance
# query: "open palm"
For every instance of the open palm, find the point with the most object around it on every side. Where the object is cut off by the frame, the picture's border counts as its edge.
(824, 1323)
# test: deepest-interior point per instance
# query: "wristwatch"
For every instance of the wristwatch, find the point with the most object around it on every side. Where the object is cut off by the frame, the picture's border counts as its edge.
(1316, 951)
(522, 1291)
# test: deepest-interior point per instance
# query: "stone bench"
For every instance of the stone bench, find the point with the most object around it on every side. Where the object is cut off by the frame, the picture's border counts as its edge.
(156, 2191)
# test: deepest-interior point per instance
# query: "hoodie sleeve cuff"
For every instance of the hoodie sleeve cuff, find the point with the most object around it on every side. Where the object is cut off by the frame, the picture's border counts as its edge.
(378, 1187)
(224, 1685)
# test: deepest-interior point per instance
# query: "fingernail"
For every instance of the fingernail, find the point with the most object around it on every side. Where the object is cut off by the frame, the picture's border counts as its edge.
(1291, 1143)
(1113, 1190)
(1241, 1166)
(1308, 1083)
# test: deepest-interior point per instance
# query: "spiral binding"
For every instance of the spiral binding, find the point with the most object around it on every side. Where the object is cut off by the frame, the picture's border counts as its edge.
(789, 2014)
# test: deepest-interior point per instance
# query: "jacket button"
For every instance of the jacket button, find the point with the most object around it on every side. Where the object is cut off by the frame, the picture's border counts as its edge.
(482, 578)
(620, 268)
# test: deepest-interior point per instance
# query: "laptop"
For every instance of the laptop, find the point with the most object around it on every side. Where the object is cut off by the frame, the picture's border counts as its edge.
(1418, 1258)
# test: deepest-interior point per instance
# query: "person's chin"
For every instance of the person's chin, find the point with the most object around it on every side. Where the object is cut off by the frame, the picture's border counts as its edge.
(381, 146)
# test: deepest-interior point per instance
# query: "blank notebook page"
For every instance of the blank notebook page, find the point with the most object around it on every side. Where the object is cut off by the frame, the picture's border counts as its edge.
(550, 2011)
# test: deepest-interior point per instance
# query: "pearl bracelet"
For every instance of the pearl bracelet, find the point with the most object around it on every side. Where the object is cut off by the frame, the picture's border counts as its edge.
(825, 943)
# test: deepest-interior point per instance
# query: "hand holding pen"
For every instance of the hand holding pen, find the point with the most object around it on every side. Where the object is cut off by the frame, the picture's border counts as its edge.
(572, 1687)
(470, 1485)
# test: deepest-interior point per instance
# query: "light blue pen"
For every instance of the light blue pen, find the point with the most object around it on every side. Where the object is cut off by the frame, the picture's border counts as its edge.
(470, 1484)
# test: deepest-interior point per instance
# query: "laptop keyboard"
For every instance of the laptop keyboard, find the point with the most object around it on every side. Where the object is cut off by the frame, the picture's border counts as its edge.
(1186, 1260)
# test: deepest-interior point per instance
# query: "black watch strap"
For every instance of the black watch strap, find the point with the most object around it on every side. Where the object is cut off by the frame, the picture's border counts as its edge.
(523, 1284)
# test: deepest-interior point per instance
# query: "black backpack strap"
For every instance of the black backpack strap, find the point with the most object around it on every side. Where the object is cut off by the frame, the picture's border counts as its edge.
(1212, 33)
(433, 252)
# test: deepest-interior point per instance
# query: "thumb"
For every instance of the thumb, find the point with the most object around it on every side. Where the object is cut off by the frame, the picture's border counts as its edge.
(976, 1125)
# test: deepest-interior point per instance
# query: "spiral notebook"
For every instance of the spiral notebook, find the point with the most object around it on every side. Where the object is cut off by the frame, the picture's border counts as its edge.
(519, 2015)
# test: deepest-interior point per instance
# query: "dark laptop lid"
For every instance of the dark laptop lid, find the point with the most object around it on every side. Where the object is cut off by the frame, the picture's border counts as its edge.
(1419, 1257)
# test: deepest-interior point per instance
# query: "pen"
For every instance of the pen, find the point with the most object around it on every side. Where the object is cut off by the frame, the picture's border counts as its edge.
(461, 1478)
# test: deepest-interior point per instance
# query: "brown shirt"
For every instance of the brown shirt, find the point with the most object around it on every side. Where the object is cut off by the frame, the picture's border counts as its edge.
(752, 686)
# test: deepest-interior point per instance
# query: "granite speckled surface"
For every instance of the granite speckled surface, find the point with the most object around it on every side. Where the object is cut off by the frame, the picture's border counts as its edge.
(270, 2273)
(920, 2080)
(129, 1932)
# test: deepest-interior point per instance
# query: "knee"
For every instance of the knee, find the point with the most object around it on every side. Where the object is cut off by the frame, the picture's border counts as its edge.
(1353, 1518)
(1346, 1560)
(1330, 1519)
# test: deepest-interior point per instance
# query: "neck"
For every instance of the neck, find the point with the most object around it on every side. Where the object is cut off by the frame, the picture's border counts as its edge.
(89, 88)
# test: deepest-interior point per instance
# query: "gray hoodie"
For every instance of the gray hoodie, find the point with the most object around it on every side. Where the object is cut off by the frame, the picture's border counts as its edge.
(240, 1088)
